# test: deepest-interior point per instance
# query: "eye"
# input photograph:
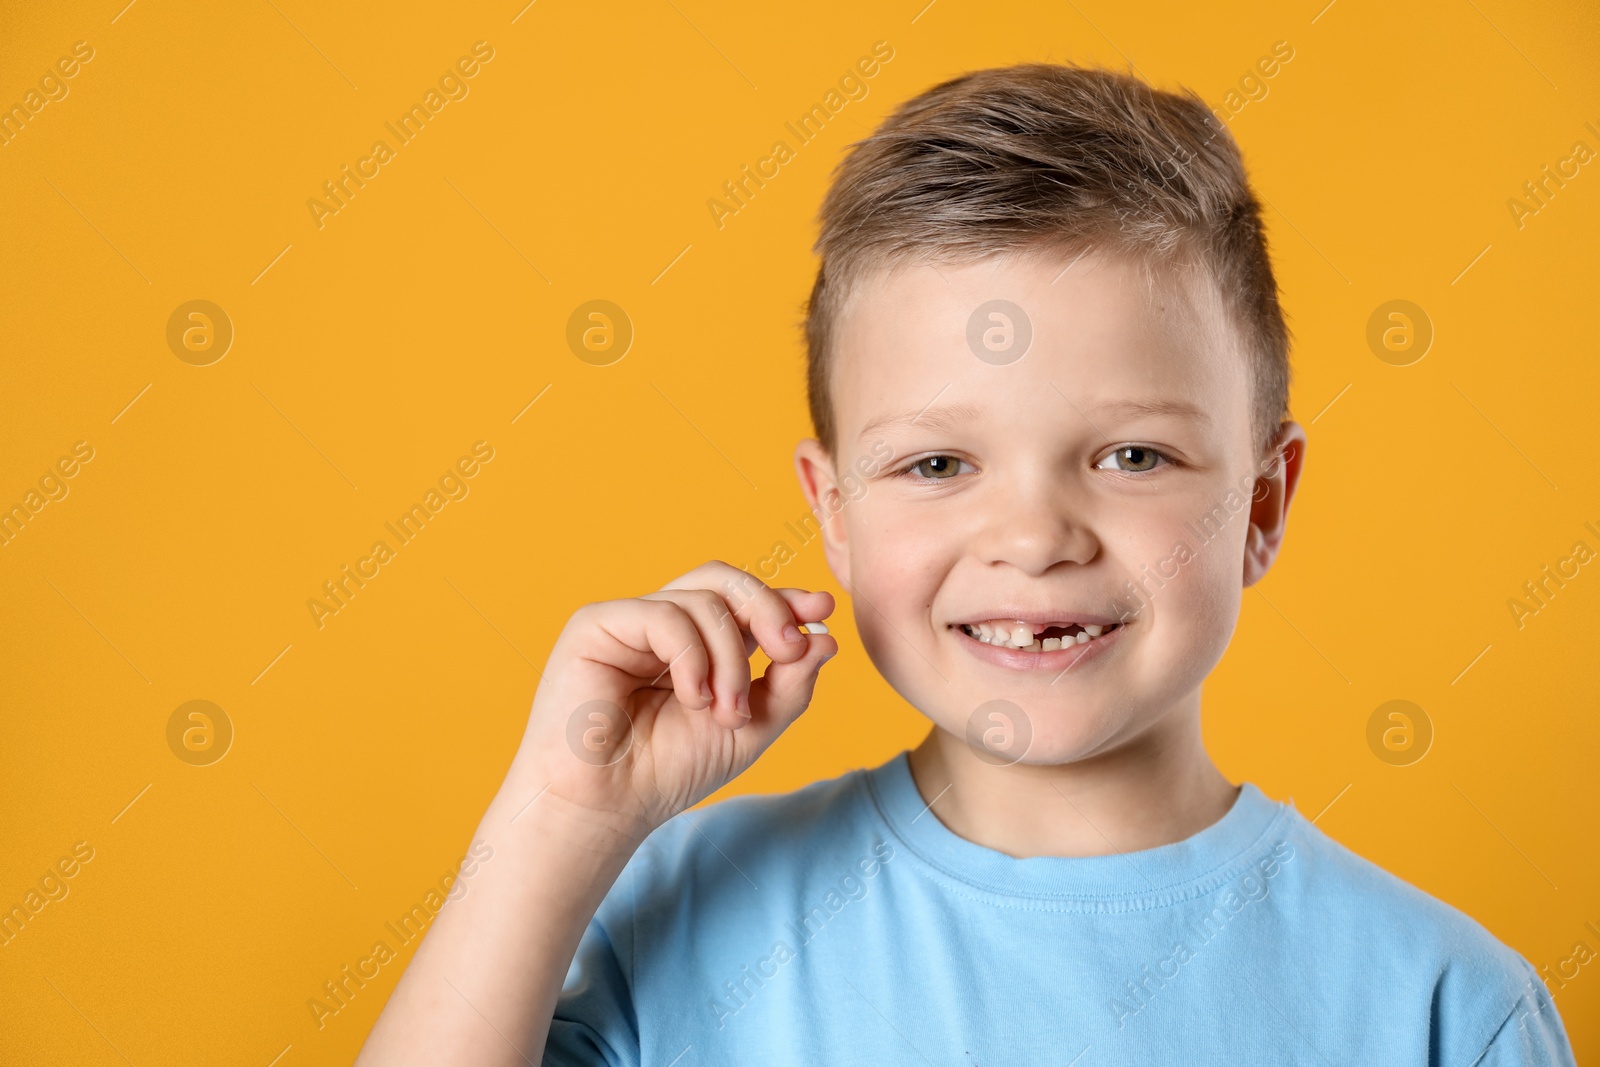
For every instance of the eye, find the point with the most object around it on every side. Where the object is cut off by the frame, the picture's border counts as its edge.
(1134, 459)
(933, 469)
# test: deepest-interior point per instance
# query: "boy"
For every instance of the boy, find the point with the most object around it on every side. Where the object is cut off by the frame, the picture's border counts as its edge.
(1049, 379)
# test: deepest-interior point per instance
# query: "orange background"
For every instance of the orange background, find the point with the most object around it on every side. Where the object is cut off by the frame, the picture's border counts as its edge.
(425, 315)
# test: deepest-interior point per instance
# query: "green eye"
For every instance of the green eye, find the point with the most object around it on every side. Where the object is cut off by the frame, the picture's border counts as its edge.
(936, 468)
(1134, 458)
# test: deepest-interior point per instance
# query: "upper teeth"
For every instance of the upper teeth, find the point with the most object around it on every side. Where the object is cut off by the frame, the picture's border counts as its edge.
(1021, 635)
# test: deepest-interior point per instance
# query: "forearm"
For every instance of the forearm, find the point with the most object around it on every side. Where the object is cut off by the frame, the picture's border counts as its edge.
(483, 985)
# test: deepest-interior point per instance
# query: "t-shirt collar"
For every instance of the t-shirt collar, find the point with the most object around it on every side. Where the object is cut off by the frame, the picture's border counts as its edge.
(1124, 881)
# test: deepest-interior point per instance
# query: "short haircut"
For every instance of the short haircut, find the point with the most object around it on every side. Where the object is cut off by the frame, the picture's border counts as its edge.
(1043, 157)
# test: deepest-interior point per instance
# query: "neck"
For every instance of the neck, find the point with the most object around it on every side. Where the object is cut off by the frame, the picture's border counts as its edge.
(1152, 790)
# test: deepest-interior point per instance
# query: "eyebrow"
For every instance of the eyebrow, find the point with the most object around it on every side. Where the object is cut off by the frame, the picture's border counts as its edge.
(943, 418)
(1162, 406)
(940, 418)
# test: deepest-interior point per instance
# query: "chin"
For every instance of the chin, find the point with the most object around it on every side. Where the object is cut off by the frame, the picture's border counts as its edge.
(1038, 737)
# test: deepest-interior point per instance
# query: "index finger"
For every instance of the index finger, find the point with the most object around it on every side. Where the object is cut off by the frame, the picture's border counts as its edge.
(770, 616)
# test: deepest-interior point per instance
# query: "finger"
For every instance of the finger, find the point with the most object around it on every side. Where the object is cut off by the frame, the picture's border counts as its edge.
(758, 608)
(808, 605)
(805, 605)
(662, 630)
(779, 696)
(729, 667)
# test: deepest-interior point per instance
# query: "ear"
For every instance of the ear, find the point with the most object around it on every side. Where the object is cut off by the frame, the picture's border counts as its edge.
(1269, 504)
(820, 484)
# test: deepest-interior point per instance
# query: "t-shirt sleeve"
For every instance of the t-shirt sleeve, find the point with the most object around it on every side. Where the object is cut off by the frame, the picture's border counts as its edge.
(594, 1023)
(1532, 1035)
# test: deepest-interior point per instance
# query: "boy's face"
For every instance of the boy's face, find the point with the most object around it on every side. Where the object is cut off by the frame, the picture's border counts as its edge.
(1046, 488)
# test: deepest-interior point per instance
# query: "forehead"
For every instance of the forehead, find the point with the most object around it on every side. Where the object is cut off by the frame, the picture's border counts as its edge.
(1098, 328)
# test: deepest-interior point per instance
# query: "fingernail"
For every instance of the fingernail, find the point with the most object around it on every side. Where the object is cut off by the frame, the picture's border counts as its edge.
(741, 704)
(791, 633)
(705, 692)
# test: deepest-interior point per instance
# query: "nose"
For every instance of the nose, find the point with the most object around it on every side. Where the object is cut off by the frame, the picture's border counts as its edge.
(1033, 523)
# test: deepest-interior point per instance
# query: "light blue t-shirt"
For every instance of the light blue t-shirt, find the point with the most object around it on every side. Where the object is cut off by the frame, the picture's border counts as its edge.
(844, 924)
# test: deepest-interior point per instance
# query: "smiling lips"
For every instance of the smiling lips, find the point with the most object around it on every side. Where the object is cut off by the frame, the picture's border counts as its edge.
(1034, 636)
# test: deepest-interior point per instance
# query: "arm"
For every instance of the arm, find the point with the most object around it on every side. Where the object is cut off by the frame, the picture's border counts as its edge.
(620, 739)
(483, 985)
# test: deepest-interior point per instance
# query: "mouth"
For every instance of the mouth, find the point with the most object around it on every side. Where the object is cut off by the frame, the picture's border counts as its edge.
(1023, 636)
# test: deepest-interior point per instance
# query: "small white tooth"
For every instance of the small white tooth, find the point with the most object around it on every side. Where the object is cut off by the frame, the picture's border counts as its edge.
(1095, 631)
(1052, 643)
(1034, 646)
(1022, 636)
(1083, 638)
(986, 630)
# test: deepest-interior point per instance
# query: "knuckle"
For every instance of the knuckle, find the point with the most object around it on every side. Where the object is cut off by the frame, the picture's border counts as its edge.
(665, 612)
(702, 573)
(706, 598)
(703, 606)
(772, 610)
(690, 577)
(717, 608)
(587, 615)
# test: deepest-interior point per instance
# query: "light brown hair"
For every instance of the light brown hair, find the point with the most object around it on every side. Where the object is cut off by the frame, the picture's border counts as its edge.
(1042, 156)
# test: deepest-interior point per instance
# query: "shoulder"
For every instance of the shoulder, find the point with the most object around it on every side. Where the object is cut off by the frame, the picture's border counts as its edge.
(1377, 928)
(1376, 901)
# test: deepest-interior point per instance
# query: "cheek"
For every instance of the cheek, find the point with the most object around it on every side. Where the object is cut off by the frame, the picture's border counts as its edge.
(896, 555)
(1198, 606)
(896, 565)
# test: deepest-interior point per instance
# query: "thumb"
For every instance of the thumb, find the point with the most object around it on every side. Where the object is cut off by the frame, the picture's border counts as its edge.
(779, 696)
